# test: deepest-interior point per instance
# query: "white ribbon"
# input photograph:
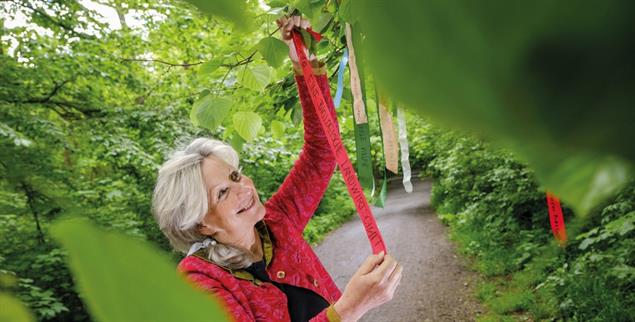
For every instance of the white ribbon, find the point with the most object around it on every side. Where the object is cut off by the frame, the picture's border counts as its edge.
(403, 143)
(199, 245)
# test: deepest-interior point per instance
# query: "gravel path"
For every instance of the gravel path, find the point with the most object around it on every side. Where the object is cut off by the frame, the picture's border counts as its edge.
(435, 285)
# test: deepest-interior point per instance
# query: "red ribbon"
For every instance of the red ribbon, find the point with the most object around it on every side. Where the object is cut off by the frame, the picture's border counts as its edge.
(337, 147)
(315, 34)
(556, 219)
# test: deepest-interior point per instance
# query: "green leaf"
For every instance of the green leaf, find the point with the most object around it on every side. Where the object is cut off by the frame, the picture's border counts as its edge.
(237, 142)
(622, 225)
(256, 77)
(277, 129)
(18, 138)
(297, 114)
(277, 3)
(344, 11)
(525, 74)
(307, 39)
(310, 8)
(232, 10)
(247, 125)
(13, 310)
(585, 181)
(209, 111)
(125, 279)
(586, 243)
(273, 50)
(208, 67)
(322, 22)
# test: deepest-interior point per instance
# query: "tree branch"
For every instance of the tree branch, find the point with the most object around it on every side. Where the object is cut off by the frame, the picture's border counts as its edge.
(55, 90)
(185, 65)
(30, 195)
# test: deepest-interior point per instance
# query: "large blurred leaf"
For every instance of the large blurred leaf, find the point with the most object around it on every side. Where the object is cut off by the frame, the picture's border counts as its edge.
(256, 77)
(273, 50)
(542, 74)
(12, 310)
(125, 279)
(209, 111)
(247, 125)
(584, 181)
(232, 10)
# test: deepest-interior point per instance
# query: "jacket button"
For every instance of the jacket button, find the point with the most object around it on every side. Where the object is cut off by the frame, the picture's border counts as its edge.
(281, 274)
(315, 283)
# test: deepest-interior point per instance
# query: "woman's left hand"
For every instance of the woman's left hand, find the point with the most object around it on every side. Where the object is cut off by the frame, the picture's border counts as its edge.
(287, 25)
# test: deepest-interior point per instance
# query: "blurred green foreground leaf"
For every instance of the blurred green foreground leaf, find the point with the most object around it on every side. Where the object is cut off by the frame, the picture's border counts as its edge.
(124, 279)
(551, 80)
(12, 310)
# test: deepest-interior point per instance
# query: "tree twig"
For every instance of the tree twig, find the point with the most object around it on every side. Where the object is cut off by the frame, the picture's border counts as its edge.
(30, 195)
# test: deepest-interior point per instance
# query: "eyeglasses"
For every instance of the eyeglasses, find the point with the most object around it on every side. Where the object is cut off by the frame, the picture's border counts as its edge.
(236, 175)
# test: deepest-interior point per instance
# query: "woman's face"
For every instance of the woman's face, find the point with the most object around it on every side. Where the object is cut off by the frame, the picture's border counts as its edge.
(234, 206)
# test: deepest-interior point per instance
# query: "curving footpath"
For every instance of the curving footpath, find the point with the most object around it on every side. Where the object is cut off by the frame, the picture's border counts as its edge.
(435, 285)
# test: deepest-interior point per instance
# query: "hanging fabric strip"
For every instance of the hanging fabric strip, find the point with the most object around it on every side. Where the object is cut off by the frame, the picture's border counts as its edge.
(391, 149)
(362, 130)
(359, 110)
(380, 199)
(340, 79)
(556, 219)
(403, 143)
(337, 147)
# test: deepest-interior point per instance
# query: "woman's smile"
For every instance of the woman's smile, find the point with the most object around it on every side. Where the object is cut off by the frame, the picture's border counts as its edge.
(248, 206)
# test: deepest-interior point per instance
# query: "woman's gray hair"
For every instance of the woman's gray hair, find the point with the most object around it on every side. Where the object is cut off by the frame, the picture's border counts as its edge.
(179, 201)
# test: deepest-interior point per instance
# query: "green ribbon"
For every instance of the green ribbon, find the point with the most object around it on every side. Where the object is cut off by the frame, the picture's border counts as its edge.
(380, 199)
(364, 162)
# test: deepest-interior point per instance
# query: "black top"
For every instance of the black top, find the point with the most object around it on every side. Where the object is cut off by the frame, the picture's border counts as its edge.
(303, 303)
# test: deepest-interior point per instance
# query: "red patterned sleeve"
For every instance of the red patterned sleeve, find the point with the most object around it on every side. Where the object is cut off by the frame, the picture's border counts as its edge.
(233, 307)
(302, 190)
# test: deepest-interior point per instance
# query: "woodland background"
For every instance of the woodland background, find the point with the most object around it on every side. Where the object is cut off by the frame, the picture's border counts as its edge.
(90, 106)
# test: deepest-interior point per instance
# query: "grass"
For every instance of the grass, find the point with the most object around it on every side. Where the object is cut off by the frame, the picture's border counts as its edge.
(508, 291)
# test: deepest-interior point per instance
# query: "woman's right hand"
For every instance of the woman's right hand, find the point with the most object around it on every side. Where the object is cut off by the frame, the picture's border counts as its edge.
(372, 285)
(287, 26)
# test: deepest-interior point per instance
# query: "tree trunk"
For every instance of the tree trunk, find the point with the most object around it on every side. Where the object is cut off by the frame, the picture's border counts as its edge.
(122, 16)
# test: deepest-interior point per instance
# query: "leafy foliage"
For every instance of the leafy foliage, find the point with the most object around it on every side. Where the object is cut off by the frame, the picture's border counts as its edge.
(209, 112)
(273, 50)
(247, 125)
(90, 108)
(498, 215)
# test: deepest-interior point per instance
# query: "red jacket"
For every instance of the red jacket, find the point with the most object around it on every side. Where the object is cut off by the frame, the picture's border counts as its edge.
(287, 213)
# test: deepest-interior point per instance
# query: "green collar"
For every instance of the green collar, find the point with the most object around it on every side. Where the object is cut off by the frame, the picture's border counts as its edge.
(267, 247)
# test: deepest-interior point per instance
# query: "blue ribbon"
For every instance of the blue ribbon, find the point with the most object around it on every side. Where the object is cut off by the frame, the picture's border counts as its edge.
(340, 79)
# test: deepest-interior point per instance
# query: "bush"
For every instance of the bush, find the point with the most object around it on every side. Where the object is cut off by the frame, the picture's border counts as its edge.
(497, 215)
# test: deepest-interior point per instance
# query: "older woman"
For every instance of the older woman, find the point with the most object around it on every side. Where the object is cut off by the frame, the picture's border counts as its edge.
(252, 255)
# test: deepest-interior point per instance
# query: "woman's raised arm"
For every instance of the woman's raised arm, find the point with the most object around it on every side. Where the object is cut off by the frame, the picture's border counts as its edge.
(302, 190)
